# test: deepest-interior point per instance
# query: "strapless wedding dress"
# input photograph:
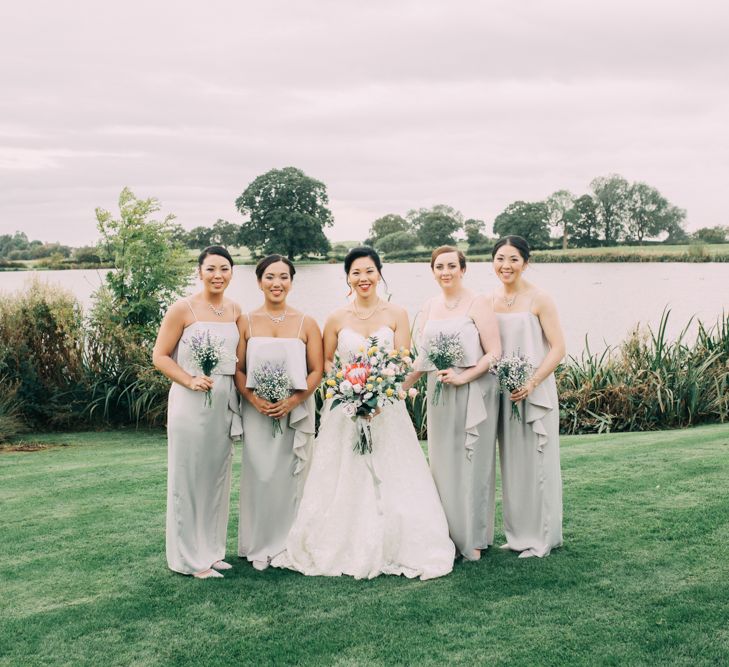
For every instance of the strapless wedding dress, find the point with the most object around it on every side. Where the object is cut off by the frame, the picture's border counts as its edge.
(365, 515)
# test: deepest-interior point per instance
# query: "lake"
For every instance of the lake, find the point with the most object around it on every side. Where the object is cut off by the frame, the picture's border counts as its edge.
(601, 301)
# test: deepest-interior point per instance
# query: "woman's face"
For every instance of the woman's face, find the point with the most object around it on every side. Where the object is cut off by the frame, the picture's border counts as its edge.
(508, 264)
(363, 276)
(276, 283)
(447, 270)
(215, 273)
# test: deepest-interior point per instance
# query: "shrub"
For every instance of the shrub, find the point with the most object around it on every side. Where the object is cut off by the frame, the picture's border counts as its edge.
(397, 242)
(11, 422)
(41, 345)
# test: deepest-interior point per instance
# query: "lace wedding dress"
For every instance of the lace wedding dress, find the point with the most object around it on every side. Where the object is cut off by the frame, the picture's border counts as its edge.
(365, 515)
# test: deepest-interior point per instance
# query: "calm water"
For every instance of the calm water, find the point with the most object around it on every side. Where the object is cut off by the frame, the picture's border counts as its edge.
(601, 301)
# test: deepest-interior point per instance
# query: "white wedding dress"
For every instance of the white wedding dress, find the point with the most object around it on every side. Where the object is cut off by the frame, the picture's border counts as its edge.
(365, 515)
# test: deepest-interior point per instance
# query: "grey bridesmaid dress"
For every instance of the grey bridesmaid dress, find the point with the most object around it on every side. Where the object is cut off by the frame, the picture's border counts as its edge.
(462, 440)
(273, 466)
(200, 454)
(529, 449)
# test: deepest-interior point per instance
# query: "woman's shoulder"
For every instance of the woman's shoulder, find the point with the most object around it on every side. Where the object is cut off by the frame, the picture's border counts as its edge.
(394, 309)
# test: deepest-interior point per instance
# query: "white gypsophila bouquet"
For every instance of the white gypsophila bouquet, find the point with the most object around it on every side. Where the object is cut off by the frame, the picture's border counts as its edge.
(366, 382)
(273, 384)
(444, 351)
(512, 372)
(206, 352)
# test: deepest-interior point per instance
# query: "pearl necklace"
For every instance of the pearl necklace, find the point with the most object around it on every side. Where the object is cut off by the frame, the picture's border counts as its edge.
(366, 317)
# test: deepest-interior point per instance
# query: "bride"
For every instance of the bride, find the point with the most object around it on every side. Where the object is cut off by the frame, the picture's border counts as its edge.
(378, 513)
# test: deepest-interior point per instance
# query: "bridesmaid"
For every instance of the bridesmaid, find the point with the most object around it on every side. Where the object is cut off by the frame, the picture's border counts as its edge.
(462, 427)
(200, 436)
(529, 449)
(274, 466)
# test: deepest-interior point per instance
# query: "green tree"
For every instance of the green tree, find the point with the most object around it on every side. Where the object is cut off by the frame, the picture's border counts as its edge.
(397, 242)
(612, 199)
(474, 230)
(386, 225)
(150, 268)
(650, 213)
(436, 226)
(198, 238)
(527, 219)
(718, 234)
(582, 224)
(287, 213)
(224, 233)
(558, 204)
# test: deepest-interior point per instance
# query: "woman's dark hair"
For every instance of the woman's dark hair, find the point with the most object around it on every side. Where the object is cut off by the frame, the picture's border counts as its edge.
(214, 250)
(441, 250)
(272, 259)
(518, 242)
(362, 251)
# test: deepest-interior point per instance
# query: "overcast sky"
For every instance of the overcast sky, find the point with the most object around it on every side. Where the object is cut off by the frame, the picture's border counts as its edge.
(393, 105)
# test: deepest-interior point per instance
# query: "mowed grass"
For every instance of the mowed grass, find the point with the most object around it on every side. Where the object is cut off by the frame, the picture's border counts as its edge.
(643, 577)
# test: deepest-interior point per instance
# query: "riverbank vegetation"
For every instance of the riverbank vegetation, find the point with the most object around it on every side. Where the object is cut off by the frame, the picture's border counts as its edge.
(642, 578)
(62, 368)
(286, 211)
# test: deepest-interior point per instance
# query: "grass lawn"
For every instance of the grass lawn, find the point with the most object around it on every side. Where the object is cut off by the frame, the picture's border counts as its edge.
(643, 578)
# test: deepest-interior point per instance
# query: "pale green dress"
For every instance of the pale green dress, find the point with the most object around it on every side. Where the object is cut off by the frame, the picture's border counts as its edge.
(273, 466)
(462, 439)
(529, 449)
(200, 454)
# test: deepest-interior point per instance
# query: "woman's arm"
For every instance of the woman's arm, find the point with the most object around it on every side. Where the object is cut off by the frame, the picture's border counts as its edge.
(402, 328)
(484, 318)
(546, 311)
(170, 332)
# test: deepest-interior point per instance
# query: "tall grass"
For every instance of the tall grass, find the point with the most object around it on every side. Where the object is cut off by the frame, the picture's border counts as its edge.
(648, 382)
(61, 369)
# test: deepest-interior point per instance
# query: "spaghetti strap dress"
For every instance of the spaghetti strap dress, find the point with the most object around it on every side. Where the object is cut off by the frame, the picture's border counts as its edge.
(200, 454)
(462, 431)
(273, 466)
(529, 449)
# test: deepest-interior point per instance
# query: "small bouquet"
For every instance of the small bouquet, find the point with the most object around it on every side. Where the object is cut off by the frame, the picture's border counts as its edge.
(512, 372)
(444, 351)
(207, 352)
(273, 384)
(366, 382)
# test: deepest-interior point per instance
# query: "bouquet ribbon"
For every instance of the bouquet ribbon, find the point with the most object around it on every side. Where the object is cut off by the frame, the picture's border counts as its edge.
(364, 433)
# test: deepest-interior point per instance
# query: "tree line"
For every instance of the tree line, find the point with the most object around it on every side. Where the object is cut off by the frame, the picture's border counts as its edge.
(285, 211)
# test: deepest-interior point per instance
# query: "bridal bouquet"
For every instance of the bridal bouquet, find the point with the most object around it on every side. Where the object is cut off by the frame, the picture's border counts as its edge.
(512, 372)
(365, 383)
(444, 351)
(273, 384)
(206, 352)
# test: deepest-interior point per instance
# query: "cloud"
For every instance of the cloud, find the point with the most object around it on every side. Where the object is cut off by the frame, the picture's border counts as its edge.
(393, 105)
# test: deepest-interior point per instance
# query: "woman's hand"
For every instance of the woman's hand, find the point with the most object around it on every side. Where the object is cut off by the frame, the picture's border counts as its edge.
(282, 408)
(200, 383)
(449, 376)
(263, 406)
(522, 392)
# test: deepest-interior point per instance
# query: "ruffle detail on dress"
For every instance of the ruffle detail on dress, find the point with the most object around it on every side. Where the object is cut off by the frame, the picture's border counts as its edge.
(301, 419)
(476, 413)
(236, 424)
(537, 407)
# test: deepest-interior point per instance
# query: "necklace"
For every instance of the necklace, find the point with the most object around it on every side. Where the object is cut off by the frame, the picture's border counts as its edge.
(276, 319)
(218, 311)
(366, 317)
(510, 302)
(455, 304)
